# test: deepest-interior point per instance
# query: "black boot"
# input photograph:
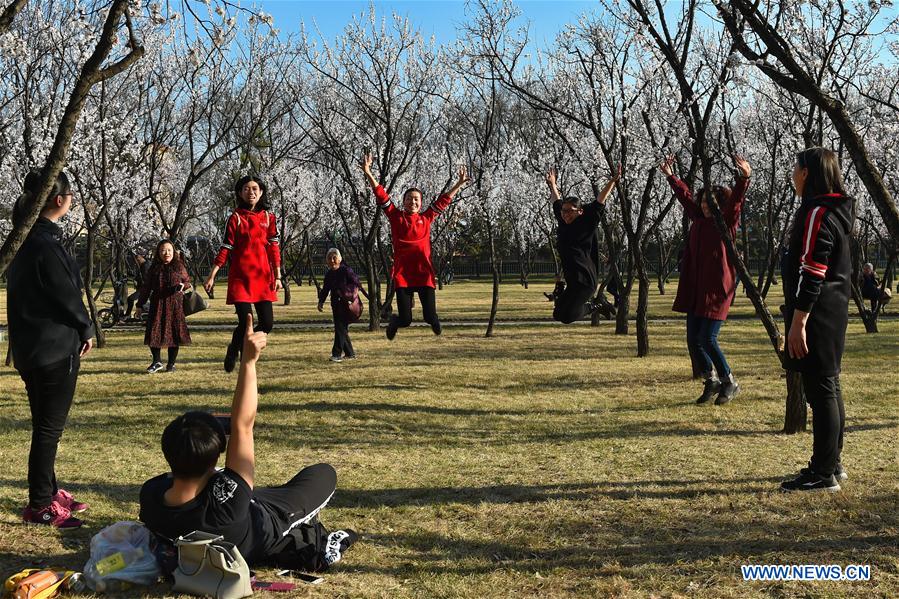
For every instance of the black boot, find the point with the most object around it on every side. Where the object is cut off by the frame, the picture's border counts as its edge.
(729, 390)
(710, 390)
(231, 358)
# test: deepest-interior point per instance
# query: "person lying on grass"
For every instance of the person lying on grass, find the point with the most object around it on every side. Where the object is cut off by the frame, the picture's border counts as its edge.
(262, 523)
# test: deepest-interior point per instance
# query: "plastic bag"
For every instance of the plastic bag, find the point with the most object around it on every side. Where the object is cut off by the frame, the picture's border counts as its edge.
(120, 557)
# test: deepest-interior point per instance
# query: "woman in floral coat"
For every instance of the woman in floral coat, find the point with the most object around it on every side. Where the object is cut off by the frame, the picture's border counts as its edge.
(164, 285)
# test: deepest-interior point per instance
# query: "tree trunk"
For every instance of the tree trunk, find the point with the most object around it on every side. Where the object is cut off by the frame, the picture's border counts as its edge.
(795, 418)
(374, 293)
(91, 74)
(642, 309)
(88, 279)
(494, 304)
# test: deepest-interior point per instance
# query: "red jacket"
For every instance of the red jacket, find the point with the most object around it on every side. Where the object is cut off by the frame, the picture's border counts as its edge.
(411, 235)
(251, 241)
(707, 278)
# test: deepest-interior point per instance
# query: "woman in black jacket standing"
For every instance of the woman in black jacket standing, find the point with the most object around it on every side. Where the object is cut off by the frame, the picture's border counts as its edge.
(343, 285)
(816, 290)
(49, 332)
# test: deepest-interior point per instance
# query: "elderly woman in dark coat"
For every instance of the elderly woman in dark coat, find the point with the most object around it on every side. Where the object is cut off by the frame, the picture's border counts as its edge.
(166, 326)
(343, 285)
(707, 278)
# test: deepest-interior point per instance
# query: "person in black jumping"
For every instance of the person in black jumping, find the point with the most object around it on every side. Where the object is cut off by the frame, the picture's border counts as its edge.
(817, 283)
(49, 333)
(576, 240)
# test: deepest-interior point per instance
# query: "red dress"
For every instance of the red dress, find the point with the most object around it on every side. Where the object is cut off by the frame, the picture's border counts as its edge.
(251, 241)
(411, 234)
(707, 278)
(166, 326)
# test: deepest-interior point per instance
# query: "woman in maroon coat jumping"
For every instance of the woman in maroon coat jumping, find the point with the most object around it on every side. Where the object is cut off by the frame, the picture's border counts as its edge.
(254, 274)
(164, 285)
(707, 278)
(410, 231)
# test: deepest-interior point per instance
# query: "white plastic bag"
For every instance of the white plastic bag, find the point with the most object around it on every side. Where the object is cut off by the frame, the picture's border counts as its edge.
(121, 557)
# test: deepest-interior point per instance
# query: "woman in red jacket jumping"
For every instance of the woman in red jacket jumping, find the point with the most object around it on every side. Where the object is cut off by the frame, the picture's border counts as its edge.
(410, 230)
(254, 274)
(707, 278)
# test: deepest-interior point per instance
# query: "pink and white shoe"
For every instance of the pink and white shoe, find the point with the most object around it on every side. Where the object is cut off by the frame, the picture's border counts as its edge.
(65, 499)
(53, 515)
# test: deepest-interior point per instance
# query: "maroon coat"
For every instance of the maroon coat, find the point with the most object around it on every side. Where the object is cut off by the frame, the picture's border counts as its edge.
(707, 278)
(166, 326)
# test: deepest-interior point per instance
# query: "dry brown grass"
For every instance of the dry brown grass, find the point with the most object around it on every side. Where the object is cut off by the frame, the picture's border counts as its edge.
(547, 461)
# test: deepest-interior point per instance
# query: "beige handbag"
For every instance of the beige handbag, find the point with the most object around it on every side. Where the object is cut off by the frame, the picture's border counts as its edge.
(209, 566)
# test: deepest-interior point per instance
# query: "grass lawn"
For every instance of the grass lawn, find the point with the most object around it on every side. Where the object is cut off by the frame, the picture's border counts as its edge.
(466, 300)
(547, 461)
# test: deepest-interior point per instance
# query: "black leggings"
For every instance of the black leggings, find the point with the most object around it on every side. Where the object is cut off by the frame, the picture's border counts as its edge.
(828, 421)
(572, 304)
(428, 299)
(265, 320)
(50, 391)
(157, 354)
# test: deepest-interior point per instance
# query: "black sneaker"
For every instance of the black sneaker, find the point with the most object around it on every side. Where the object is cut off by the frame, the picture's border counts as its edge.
(154, 367)
(230, 359)
(839, 473)
(729, 390)
(170, 368)
(437, 327)
(391, 329)
(711, 389)
(811, 481)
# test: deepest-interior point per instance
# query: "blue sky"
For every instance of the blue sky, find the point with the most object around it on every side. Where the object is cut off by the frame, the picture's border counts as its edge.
(432, 17)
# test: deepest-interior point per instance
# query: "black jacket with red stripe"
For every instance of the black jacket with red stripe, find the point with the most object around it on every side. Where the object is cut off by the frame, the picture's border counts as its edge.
(816, 279)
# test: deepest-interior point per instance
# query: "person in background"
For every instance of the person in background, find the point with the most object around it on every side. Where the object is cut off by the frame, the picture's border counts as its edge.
(141, 267)
(251, 243)
(708, 280)
(578, 252)
(410, 231)
(342, 284)
(164, 285)
(49, 333)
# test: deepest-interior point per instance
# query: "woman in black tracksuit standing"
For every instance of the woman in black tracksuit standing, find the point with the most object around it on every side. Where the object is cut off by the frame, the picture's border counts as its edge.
(816, 290)
(49, 333)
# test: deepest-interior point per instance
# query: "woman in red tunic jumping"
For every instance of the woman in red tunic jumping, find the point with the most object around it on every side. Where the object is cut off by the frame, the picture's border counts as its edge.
(254, 274)
(410, 230)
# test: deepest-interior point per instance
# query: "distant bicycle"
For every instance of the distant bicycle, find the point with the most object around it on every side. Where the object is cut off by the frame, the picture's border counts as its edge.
(116, 313)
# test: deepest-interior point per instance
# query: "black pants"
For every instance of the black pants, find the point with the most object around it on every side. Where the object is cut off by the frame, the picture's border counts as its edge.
(50, 391)
(342, 344)
(828, 421)
(572, 304)
(300, 499)
(172, 354)
(428, 299)
(265, 320)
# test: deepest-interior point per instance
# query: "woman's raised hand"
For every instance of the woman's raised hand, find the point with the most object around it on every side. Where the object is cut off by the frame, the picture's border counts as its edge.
(463, 176)
(366, 163)
(551, 177)
(666, 166)
(743, 166)
(616, 175)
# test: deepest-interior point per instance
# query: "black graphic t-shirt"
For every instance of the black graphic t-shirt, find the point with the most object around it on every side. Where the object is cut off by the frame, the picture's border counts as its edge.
(577, 245)
(224, 507)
